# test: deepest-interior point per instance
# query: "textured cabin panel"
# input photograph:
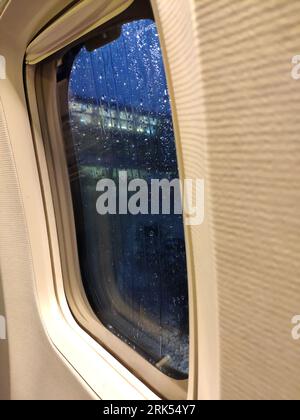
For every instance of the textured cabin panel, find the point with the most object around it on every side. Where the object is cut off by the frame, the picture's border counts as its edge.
(239, 114)
(4, 352)
(30, 355)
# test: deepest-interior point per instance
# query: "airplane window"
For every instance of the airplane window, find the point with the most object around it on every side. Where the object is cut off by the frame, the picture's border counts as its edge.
(132, 252)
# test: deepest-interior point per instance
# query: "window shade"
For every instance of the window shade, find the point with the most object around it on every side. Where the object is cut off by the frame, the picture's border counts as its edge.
(77, 22)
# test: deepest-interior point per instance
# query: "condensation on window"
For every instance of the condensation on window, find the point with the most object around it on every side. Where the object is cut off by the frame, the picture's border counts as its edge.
(133, 267)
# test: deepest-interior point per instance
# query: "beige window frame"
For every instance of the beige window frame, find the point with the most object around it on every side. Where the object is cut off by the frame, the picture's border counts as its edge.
(44, 106)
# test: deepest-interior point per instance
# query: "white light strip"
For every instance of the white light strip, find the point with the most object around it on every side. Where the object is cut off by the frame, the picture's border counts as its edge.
(3, 6)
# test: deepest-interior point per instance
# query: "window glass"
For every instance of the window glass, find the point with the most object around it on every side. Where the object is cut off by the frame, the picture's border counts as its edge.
(133, 266)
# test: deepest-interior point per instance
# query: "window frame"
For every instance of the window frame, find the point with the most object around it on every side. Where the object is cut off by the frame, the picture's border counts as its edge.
(53, 148)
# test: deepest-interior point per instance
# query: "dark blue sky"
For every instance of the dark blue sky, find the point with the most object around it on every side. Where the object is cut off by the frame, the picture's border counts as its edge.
(129, 71)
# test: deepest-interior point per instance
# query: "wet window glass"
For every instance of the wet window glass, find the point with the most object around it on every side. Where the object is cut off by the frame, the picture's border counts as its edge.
(133, 264)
